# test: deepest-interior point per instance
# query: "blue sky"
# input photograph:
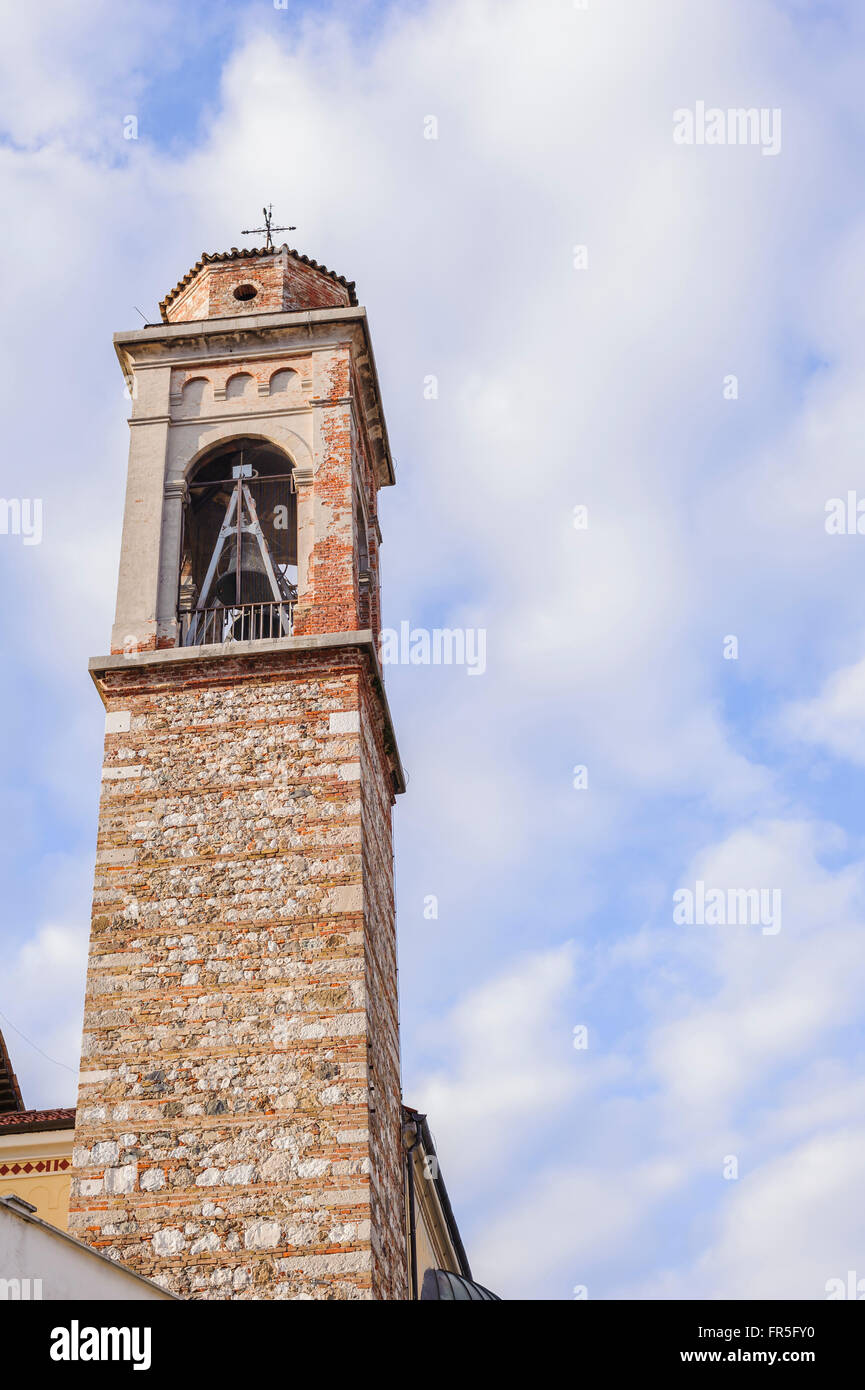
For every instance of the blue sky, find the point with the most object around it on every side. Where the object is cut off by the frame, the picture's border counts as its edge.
(557, 387)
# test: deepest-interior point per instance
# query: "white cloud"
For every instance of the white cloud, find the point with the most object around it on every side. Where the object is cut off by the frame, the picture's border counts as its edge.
(784, 1231)
(726, 1027)
(771, 1000)
(512, 1062)
(835, 718)
(563, 1225)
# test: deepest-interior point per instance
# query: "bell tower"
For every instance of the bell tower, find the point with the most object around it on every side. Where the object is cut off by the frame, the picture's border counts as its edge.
(238, 1123)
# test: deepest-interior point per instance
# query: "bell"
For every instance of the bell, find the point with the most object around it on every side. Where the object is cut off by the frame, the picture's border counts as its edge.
(253, 624)
(254, 581)
(246, 627)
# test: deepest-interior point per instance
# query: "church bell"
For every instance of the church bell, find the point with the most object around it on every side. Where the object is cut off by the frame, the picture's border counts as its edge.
(254, 581)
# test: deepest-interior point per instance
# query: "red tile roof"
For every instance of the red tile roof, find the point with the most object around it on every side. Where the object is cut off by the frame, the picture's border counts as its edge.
(27, 1121)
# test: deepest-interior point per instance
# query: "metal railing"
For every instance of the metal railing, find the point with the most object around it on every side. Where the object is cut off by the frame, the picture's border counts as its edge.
(247, 622)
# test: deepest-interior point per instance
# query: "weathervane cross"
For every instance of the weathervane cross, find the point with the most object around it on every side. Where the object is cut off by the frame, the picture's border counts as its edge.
(268, 228)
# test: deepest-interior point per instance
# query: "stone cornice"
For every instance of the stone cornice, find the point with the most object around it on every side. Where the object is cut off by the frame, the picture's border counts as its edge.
(238, 326)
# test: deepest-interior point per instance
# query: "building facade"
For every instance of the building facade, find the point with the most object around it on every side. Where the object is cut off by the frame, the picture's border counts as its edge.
(35, 1151)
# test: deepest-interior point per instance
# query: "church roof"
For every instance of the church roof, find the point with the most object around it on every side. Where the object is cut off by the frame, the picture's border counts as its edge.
(30, 1121)
(248, 253)
(11, 1101)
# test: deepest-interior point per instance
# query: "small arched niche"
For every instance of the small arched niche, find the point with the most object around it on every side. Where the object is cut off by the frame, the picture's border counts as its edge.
(193, 394)
(238, 572)
(285, 383)
(239, 385)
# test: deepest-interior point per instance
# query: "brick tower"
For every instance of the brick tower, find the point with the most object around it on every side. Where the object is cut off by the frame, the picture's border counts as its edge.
(238, 1122)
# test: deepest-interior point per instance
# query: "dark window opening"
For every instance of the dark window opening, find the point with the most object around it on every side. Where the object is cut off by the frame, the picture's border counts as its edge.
(364, 576)
(238, 576)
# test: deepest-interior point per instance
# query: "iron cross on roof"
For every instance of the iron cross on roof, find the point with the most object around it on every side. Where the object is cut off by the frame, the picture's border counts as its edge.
(267, 228)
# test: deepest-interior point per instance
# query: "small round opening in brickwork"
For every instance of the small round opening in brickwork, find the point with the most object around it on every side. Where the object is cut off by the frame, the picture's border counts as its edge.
(245, 292)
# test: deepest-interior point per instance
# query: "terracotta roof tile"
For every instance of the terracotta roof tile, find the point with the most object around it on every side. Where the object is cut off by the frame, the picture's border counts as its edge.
(25, 1121)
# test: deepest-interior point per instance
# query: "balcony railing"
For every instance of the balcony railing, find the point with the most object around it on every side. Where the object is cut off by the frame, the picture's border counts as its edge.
(247, 622)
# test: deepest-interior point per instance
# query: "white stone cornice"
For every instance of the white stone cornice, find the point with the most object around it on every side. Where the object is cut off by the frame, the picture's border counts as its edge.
(250, 416)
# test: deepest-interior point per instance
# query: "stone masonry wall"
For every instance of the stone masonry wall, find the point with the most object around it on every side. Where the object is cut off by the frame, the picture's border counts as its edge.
(237, 1130)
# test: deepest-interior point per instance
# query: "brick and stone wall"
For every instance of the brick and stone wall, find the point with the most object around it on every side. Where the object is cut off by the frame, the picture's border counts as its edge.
(388, 1224)
(238, 1125)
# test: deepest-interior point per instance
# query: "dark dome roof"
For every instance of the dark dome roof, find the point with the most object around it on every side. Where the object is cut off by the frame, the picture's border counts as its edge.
(443, 1283)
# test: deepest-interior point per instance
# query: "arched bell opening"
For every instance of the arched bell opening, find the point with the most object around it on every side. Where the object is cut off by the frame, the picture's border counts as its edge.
(238, 573)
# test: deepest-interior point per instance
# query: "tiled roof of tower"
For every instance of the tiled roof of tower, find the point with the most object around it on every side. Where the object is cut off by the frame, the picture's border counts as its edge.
(11, 1101)
(246, 253)
(27, 1121)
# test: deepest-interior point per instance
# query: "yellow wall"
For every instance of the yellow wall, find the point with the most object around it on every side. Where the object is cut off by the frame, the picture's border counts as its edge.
(47, 1190)
(428, 1255)
(435, 1249)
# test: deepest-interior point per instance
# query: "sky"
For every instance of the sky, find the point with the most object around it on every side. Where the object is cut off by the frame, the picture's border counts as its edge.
(648, 360)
